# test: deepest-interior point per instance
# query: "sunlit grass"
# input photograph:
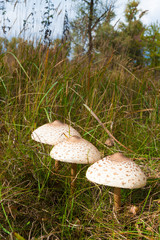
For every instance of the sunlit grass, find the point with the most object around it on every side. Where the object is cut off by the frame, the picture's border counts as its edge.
(39, 87)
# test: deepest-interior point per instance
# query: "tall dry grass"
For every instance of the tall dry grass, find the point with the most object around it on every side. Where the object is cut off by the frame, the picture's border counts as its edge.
(39, 85)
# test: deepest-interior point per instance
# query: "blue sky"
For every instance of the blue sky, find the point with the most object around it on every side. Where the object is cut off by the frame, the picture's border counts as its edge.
(22, 11)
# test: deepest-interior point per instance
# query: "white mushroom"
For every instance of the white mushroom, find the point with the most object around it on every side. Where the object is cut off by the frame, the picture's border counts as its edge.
(53, 133)
(75, 150)
(116, 171)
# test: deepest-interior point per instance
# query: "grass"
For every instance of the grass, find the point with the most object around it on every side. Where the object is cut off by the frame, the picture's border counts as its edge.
(38, 86)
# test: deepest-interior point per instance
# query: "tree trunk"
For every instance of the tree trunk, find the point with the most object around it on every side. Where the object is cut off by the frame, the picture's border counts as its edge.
(90, 22)
(90, 40)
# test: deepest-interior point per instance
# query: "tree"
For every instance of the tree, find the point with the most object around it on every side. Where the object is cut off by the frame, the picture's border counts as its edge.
(152, 45)
(66, 28)
(66, 39)
(132, 32)
(105, 36)
(47, 21)
(90, 15)
(5, 21)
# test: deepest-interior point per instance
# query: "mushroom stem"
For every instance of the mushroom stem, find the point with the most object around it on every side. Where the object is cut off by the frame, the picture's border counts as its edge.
(117, 198)
(56, 166)
(73, 175)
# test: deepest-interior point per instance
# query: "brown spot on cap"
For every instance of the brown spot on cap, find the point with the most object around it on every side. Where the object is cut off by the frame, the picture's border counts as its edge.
(53, 133)
(57, 123)
(119, 157)
(74, 139)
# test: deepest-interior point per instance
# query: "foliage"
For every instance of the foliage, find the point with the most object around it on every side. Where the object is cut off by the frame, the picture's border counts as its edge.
(125, 39)
(5, 21)
(107, 40)
(152, 45)
(90, 15)
(47, 20)
(133, 31)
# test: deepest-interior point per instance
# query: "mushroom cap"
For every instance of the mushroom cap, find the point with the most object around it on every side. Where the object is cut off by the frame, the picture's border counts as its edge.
(75, 150)
(53, 133)
(109, 142)
(116, 171)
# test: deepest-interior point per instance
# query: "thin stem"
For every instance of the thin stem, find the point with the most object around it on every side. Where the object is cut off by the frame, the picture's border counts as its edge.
(56, 166)
(107, 131)
(117, 198)
(73, 175)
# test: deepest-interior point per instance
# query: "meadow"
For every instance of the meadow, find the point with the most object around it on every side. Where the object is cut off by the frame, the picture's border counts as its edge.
(39, 85)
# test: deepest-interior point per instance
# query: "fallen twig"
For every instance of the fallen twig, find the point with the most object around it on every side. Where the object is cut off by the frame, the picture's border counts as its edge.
(107, 131)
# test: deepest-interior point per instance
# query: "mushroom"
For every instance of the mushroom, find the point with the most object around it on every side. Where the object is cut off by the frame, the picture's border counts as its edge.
(75, 150)
(109, 142)
(119, 172)
(53, 133)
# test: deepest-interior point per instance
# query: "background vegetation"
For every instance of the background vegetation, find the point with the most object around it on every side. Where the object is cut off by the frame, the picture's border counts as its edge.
(115, 71)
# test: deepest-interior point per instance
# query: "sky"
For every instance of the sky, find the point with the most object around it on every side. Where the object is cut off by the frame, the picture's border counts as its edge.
(17, 13)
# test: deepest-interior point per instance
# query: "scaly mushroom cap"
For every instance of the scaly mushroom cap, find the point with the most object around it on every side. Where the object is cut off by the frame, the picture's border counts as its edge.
(53, 133)
(116, 171)
(75, 150)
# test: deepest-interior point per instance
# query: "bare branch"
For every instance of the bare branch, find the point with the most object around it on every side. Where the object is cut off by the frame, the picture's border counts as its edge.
(101, 17)
(107, 131)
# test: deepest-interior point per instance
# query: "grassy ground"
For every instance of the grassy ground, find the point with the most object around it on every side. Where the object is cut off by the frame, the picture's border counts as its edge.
(38, 86)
